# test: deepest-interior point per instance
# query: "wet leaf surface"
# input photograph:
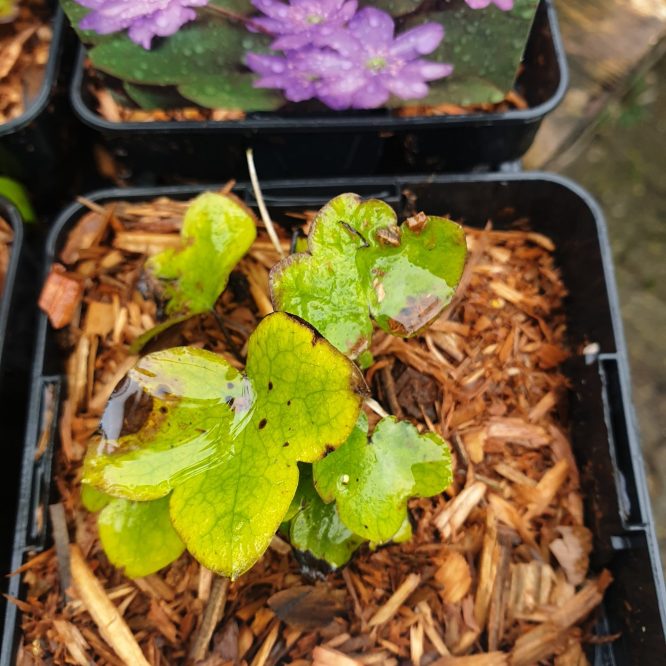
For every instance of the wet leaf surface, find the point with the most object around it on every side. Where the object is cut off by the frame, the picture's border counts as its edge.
(362, 264)
(227, 444)
(138, 536)
(316, 527)
(372, 479)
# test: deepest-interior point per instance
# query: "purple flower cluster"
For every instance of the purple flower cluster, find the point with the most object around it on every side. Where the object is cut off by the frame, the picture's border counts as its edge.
(504, 5)
(144, 19)
(344, 58)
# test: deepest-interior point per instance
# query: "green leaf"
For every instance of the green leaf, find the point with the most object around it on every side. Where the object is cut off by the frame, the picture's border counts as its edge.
(307, 396)
(202, 48)
(371, 481)
(232, 91)
(92, 499)
(172, 416)
(217, 231)
(317, 527)
(361, 263)
(485, 47)
(154, 97)
(228, 445)
(138, 536)
(395, 7)
(18, 195)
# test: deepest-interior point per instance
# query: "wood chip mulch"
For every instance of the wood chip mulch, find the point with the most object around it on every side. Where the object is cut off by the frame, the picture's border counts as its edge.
(498, 570)
(24, 52)
(6, 240)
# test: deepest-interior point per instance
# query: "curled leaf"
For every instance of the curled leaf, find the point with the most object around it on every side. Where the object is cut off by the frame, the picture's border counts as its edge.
(361, 264)
(371, 480)
(217, 231)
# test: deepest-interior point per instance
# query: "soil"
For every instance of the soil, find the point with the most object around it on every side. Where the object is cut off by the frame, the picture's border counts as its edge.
(497, 572)
(24, 52)
(105, 91)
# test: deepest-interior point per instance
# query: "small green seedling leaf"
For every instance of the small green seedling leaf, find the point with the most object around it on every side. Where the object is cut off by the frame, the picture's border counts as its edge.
(227, 444)
(138, 536)
(217, 232)
(316, 527)
(371, 481)
(362, 264)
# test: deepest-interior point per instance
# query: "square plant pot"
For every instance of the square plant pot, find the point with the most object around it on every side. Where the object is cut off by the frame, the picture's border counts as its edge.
(12, 394)
(339, 143)
(600, 413)
(31, 146)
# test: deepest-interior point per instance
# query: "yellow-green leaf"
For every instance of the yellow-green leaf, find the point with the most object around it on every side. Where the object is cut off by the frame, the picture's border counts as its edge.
(227, 444)
(307, 396)
(138, 536)
(217, 231)
(371, 480)
(361, 264)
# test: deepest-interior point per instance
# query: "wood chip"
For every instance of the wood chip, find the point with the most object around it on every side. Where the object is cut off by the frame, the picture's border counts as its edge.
(391, 607)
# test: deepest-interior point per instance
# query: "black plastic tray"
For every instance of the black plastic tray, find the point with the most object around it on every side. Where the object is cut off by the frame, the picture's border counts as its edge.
(31, 145)
(337, 144)
(603, 425)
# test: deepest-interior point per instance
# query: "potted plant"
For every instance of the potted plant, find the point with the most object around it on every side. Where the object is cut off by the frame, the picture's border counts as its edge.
(225, 77)
(31, 37)
(502, 567)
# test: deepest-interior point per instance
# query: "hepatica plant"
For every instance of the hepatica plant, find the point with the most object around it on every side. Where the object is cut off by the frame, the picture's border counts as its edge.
(194, 454)
(261, 55)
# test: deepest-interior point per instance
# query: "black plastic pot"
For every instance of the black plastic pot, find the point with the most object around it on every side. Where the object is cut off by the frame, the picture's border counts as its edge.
(31, 145)
(336, 144)
(602, 419)
(12, 425)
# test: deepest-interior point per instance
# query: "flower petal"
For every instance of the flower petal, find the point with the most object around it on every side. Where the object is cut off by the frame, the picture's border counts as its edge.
(418, 41)
(373, 28)
(371, 96)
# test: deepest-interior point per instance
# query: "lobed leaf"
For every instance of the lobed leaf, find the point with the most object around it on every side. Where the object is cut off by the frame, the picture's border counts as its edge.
(371, 481)
(360, 264)
(316, 527)
(228, 445)
(138, 536)
(217, 232)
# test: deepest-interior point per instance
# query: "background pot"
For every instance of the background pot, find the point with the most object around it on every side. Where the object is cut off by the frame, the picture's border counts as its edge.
(331, 144)
(603, 427)
(31, 146)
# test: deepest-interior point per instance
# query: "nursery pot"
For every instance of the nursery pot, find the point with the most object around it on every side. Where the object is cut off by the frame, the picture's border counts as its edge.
(335, 144)
(604, 435)
(31, 145)
(13, 404)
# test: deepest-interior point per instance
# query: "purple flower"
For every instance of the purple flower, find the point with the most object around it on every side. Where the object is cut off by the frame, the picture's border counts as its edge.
(144, 18)
(372, 64)
(300, 74)
(504, 5)
(302, 22)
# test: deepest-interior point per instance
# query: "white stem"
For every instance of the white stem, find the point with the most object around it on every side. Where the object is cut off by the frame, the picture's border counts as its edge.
(262, 205)
(376, 407)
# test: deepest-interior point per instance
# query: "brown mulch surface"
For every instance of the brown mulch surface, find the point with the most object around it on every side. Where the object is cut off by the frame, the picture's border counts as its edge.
(498, 570)
(24, 52)
(6, 240)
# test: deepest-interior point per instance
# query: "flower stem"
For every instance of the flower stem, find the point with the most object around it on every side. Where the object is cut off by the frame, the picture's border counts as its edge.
(261, 204)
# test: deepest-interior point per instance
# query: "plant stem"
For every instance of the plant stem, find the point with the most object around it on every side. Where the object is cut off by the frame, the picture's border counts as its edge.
(212, 614)
(261, 204)
(376, 407)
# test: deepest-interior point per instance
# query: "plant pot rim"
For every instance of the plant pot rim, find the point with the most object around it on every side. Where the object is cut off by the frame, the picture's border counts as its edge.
(48, 82)
(11, 215)
(341, 121)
